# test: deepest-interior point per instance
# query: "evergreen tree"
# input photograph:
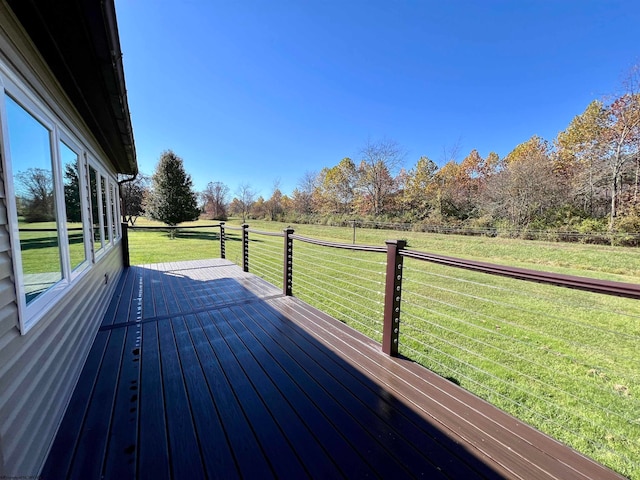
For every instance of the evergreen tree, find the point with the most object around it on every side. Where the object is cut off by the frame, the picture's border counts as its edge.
(172, 199)
(72, 192)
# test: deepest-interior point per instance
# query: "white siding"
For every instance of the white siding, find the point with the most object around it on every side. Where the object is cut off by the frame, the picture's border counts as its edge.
(39, 370)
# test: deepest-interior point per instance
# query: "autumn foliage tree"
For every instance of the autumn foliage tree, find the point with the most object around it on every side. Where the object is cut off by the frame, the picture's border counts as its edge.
(379, 161)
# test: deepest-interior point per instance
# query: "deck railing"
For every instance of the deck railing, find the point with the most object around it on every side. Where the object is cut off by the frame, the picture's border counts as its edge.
(557, 351)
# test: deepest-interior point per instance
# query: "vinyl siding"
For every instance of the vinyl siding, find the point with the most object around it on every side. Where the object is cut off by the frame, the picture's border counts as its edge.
(39, 370)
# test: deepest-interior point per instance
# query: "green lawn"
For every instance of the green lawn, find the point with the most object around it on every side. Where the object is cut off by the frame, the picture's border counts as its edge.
(40, 249)
(562, 360)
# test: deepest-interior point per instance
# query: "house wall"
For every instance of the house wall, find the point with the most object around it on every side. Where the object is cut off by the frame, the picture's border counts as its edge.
(39, 368)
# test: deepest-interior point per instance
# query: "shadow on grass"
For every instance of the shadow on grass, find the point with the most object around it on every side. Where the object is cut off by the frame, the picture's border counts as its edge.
(48, 242)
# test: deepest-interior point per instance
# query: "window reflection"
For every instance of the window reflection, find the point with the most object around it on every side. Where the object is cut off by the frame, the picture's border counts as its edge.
(105, 212)
(75, 232)
(30, 146)
(114, 217)
(95, 213)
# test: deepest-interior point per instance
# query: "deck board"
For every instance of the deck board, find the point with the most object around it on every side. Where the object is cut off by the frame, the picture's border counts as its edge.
(200, 370)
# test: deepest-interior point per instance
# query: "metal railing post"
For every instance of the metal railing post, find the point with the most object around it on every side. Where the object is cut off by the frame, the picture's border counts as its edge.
(392, 297)
(245, 247)
(126, 259)
(287, 278)
(223, 250)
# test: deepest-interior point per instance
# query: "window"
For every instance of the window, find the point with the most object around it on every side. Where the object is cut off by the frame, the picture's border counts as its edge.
(35, 197)
(105, 211)
(115, 225)
(60, 207)
(95, 210)
(72, 169)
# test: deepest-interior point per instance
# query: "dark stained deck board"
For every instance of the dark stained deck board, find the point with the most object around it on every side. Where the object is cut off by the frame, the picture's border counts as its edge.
(362, 429)
(520, 449)
(152, 447)
(438, 450)
(213, 373)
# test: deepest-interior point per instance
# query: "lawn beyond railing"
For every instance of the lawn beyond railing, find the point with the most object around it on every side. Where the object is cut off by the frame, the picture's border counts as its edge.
(557, 351)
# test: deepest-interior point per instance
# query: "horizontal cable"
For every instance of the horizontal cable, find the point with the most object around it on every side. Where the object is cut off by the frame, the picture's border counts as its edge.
(555, 372)
(550, 420)
(515, 307)
(607, 287)
(503, 321)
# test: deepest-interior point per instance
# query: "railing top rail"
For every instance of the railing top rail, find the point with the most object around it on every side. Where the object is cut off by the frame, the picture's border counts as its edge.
(164, 227)
(607, 287)
(261, 232)
(345, 246)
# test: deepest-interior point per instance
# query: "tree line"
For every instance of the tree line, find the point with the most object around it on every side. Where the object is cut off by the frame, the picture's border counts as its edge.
(587, 179)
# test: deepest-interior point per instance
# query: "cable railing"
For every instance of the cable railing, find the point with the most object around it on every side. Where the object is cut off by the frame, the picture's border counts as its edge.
(559, 352)
(565, 367)
(346, 283)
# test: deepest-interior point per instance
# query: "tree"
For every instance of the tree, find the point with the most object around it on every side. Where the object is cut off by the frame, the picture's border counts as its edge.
(375, 173)
(527, 187)
(36, 195)
(418, 187)
(258, 208)
(302, 196)
(242, 203)
(446, 182)
(172, 199)
(622, 140)
(72, 202)
(580, 157)
(133, 192)
(214, 200)
(338, 186)
(274, 205)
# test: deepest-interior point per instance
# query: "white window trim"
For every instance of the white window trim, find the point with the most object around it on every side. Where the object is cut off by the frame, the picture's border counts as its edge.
(29, 316)
(75, 148)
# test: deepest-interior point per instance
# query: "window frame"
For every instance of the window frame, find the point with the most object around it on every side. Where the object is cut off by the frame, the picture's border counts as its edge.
(111, 228)
(31, 314)
(75, 147)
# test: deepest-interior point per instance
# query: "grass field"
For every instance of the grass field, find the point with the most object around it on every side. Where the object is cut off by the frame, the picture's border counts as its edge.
(562, 360)
(40, 249)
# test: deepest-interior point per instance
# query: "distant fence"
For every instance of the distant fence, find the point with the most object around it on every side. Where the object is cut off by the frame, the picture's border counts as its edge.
(569, 236)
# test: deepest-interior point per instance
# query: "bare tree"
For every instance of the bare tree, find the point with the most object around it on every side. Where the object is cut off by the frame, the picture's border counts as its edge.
(245, 197)
(214, 200)
(36, 195)
(622, 136)
(451, 153)
(132, 194)
(302, 196)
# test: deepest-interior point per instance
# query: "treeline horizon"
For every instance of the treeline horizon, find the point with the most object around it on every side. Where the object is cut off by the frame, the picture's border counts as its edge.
(587, 180)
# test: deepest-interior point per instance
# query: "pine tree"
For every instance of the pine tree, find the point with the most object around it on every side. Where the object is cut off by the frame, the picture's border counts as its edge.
(172, 199)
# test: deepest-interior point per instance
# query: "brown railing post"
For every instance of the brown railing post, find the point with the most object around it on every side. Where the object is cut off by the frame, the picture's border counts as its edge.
(223, 250)
(245, 247)
(392, 297)
(287, 278)
(126, 260)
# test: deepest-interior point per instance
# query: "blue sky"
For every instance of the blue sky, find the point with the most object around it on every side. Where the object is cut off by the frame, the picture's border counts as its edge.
(258, 91)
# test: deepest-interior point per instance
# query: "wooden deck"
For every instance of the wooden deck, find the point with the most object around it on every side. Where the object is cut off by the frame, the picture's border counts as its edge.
(201, 370)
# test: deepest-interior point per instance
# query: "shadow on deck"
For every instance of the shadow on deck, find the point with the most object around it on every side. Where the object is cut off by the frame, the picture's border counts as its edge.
(201, 370)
